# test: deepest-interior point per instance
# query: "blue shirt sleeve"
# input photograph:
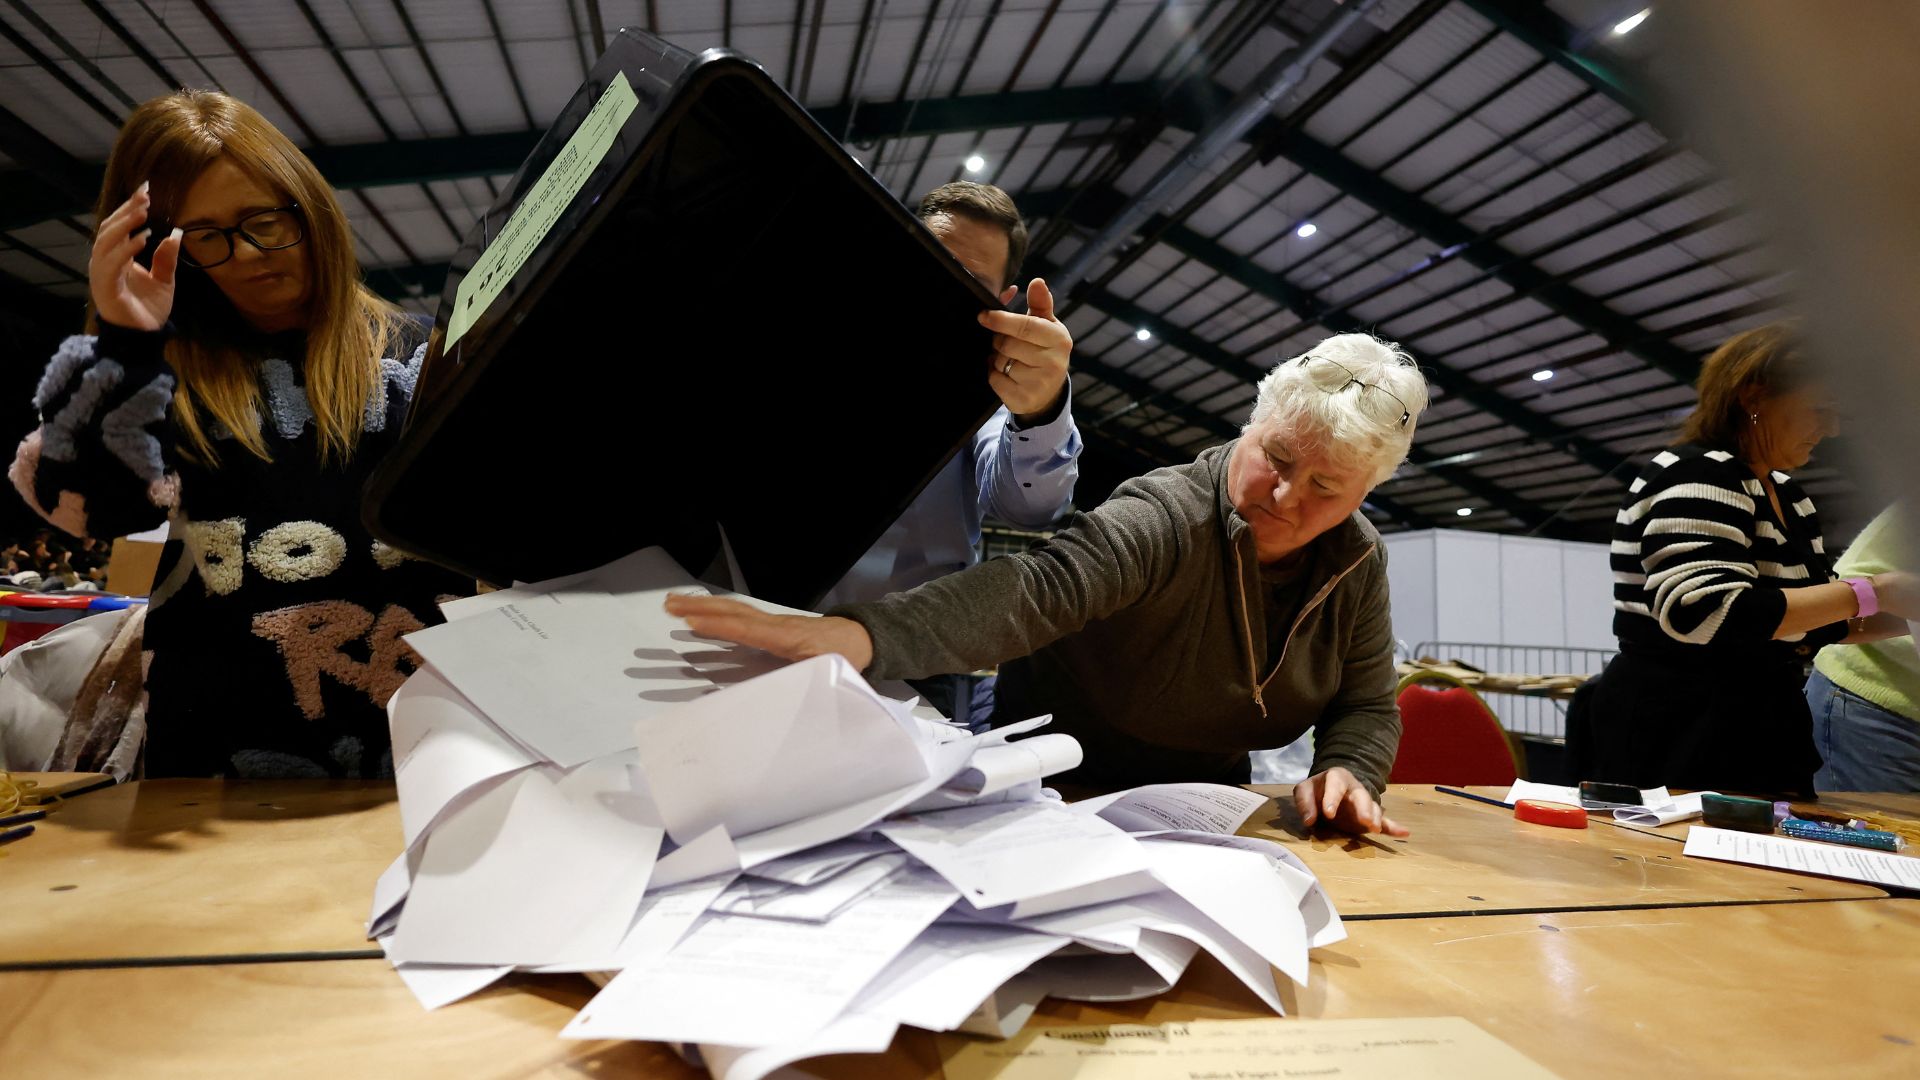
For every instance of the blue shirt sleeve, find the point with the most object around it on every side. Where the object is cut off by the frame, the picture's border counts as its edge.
(1025, 476)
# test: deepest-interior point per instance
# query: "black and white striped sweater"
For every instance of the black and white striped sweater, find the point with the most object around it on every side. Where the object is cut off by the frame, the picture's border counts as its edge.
(1700, 561)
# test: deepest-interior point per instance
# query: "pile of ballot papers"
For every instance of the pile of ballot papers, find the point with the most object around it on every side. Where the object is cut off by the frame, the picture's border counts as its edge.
(763, 861)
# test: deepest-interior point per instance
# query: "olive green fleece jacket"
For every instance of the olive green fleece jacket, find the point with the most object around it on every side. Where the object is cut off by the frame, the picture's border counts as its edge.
(1141, 627)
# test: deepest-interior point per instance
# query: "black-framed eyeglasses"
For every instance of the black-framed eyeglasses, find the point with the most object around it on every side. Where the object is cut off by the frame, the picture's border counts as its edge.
(207, 246)
(1322, 371)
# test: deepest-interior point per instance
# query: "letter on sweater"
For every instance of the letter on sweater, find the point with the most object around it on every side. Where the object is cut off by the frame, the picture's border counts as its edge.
(297, 551)
(215, 547)
(310, 636)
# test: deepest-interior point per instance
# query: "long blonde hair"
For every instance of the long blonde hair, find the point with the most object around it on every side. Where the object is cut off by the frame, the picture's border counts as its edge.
(168, 142)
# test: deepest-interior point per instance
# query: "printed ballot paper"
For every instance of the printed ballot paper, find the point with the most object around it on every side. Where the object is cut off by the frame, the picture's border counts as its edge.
(1804, 856)
(1440, 1048)
(770, 861)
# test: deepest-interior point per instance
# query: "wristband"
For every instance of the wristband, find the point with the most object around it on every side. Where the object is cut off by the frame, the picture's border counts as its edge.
(1863, 592)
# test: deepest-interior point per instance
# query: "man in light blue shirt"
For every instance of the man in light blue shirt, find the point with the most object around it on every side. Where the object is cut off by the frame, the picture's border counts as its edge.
(1021, 465)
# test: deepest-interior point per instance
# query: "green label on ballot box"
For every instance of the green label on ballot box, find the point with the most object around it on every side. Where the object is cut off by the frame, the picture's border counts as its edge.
(544, 203)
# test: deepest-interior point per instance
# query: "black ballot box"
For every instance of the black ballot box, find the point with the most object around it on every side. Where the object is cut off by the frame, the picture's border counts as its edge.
(690, 311)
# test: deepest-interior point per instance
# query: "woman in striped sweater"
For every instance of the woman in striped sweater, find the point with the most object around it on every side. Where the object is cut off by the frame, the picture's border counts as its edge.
(1723, 591)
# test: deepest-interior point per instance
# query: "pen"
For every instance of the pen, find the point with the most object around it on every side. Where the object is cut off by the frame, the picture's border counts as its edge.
(8, 836)
(21, 819)
(1471, 795)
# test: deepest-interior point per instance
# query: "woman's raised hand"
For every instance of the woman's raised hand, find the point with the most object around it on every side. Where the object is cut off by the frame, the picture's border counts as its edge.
(124, 292)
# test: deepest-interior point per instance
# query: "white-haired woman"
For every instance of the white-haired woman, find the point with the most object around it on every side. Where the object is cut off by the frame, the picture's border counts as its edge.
(1204, 611)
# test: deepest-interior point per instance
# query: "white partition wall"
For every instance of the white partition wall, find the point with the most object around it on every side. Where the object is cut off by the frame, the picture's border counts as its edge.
(1486, 589)
(1410, 578)
(1451, 585)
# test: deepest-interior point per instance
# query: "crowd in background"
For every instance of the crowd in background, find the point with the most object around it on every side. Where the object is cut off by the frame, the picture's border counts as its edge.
(47, 562)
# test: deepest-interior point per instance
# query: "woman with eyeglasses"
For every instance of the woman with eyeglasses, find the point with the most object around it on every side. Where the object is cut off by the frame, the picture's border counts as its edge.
(1724, 591)
(240, 382)
(1202, 612)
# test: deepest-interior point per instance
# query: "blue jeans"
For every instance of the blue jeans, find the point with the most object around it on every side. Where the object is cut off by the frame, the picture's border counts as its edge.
(963, 698)
(1864, 747)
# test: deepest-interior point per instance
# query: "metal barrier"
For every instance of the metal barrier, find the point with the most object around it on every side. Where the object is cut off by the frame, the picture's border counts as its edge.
(1522, 714)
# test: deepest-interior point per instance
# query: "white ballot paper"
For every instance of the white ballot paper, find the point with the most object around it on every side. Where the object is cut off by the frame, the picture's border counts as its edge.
(566, 674)
(389, 890)
(647, 571)
(1118, 924)
(435, 985)
(444, 750)
(1240, 890)
(1322, 922)
(809, 903)
(1214, 808)
(771, 862)
(943, 976)
(542, 868)
(818, 864)
(850, 1034)
(1090, 975)
(663, 920)
(1805, 856)
(741, 981)
(999, 854)
(995, 769)
(775, 749)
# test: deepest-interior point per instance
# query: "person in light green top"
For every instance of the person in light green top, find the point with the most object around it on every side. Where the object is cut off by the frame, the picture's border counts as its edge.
(1866, 698)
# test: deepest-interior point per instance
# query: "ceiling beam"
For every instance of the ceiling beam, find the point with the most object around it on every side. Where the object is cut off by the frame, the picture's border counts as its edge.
(56, 183)
(1552, 37)
(1508, 267)
(1453, 238)
(1221, 360)
(48, 170)
(1095, 204)
(974, 112)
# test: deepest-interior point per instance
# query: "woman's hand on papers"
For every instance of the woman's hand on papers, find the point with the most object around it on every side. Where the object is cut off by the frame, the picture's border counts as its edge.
(1339, 798)
(1028, 368)
(791, 637)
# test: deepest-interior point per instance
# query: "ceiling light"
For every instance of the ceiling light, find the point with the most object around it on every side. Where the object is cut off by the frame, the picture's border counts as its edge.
(1465, 511)
(1627, 24)
(976, 163)
(1542, 376)
(1306, 229)
(1142, 334)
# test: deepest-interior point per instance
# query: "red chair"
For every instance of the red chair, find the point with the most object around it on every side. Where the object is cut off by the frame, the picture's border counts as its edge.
(1450, 736)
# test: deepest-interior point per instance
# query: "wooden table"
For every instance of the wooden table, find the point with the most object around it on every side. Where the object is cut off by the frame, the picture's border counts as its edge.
(1767, 990)
(1756, 990)
(337, 1018)
(1898, 804)
(1607, 973)
(1468, 857)
(65, 785)
(164, 869)
(199, 868)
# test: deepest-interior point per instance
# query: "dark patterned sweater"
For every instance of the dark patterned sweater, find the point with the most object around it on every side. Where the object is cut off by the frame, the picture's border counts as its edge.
(273, 639)
(1701, 564)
